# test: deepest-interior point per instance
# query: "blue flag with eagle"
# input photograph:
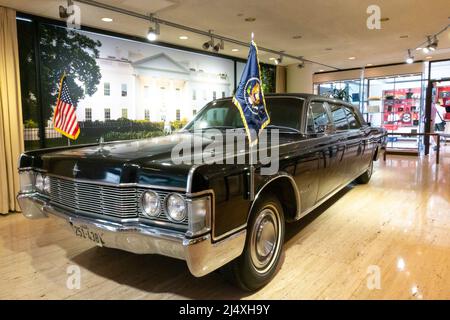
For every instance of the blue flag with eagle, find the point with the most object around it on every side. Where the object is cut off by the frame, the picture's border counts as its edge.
(249, 97)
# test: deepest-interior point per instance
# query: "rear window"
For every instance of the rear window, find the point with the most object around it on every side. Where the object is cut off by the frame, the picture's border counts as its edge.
(285, 112)
(339, 117)
(352, 119)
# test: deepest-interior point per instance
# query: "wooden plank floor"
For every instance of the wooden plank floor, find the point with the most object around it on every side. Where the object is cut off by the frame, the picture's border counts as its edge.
(398, 224)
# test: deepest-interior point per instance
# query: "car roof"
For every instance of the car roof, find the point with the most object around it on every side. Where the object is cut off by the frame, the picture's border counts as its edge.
(306, 96)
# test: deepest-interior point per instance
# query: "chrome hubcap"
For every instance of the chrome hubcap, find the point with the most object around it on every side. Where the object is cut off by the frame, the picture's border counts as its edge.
(265, 239)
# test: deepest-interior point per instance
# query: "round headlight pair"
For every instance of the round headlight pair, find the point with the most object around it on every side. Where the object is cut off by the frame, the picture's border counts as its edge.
(175, 206)
(150, 204)
(42, 183)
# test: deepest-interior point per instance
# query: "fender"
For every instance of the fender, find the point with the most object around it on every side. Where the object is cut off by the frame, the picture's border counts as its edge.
(267, 183)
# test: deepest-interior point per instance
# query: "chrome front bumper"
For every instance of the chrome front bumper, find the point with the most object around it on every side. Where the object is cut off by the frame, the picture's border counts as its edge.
(201, 254)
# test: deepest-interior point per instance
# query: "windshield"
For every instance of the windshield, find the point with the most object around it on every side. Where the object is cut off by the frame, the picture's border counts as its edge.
(284, 113)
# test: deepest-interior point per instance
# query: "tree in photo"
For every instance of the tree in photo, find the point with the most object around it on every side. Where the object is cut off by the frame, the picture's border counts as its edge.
(63, 50)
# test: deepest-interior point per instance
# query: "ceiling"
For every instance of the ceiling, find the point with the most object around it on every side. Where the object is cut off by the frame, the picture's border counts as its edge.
(331, 31)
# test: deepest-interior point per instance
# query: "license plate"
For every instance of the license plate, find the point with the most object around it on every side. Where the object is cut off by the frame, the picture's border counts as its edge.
(83, 231)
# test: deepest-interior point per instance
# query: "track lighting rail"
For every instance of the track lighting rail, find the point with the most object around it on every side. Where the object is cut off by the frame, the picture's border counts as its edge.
(196, 31)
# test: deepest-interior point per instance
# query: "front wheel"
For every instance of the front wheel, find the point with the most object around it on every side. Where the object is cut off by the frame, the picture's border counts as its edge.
(365, 177)
(265, 236)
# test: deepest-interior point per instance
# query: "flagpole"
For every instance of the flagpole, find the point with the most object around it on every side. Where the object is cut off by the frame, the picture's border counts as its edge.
(252, 175)
(252, 167)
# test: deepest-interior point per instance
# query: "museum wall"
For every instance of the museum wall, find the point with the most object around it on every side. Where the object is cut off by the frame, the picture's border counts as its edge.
(299, 79)
(372, 72)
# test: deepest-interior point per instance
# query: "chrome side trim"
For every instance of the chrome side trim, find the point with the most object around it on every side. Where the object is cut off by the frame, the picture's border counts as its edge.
(190, 177)
(327, 197)
(243, 226)
(228, 233)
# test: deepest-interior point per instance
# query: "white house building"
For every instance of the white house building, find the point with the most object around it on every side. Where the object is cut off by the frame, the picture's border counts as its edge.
(155, 88)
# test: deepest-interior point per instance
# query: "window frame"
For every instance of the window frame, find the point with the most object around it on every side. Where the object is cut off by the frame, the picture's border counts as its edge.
(122, 111)
(86, 112)
(327, 109)
(107, 90)
(339, 105)
(355, 115)
(124, 93)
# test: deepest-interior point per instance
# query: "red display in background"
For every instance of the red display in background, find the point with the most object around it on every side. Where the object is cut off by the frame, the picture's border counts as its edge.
(401, 108)
(443, 98)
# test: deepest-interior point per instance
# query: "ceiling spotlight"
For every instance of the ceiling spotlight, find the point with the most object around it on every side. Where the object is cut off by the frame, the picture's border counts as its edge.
(183, 37)
(410, 58)
(208, 44)
(63, 12)
(219, 46)
(235, 50)
(432, 44)
(279, 60)
(107, 19)
(153, 31)
(352, 58)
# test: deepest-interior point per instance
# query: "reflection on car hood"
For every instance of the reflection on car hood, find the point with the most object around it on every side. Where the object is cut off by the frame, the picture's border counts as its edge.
(146, 161)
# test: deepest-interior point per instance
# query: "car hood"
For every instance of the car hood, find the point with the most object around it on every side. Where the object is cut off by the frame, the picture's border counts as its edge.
(146, 161)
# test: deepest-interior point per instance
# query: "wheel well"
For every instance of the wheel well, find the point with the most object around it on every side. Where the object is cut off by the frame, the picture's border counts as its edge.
(284, 190)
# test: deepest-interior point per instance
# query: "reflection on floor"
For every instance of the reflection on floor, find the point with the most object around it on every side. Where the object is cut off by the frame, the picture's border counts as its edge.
(395, 230)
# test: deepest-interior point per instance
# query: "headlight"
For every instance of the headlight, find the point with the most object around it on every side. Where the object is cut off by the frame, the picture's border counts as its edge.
(199, 215)
(47, 184)
(40, 182)
(176, 207)
(27, 179)
(150, 203)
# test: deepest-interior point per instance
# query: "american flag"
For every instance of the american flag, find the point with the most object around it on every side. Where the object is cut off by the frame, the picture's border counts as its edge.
(65, 119)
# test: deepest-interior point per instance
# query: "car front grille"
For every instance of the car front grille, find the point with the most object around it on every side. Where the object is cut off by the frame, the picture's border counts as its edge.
(119, 202)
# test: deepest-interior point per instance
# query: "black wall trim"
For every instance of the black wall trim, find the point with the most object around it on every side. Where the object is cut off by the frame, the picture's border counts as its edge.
(371, 67)
(61, 23)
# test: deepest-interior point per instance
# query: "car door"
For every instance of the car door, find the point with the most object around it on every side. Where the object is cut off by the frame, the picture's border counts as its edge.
(343, 145)
(358, 143)
(320, 132)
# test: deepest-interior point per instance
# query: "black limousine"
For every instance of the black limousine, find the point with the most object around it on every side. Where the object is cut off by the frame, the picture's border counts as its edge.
(130, 195)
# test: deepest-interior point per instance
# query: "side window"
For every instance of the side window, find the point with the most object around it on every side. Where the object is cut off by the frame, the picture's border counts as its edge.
(352, 118)
(339, 118)
(318, 118)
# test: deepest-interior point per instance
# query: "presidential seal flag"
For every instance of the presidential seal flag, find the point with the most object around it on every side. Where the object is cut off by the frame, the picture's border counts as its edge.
(65, 118)
(249, 97)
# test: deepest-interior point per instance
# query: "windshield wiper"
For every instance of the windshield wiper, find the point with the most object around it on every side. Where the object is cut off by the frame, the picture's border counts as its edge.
(272, 126)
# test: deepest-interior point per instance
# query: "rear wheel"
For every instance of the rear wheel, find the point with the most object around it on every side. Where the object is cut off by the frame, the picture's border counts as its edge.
(265, 236)
(365, 177)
